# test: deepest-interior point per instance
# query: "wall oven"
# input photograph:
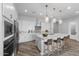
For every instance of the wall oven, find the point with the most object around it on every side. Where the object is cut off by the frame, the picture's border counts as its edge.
(9, 46)
(8, 36)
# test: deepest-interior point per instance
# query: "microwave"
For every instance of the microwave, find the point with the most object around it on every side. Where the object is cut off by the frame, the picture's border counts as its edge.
(8, 28)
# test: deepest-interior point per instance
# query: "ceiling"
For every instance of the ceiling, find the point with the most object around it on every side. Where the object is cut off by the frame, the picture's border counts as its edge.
(57, 10)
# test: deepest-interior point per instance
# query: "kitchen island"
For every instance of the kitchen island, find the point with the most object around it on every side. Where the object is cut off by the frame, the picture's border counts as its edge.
(40, 40)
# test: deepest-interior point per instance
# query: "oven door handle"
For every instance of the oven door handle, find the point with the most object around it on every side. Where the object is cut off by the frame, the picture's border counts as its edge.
(6, 54)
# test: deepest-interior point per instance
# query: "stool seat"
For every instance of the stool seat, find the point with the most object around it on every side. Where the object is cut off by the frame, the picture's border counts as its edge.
(49, 46)
(49, 42)
(55, 41)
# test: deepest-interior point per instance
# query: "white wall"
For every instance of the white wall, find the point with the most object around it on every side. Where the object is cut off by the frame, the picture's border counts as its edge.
(1, 31)
(25, 24)
(64, 27)
(9, 9)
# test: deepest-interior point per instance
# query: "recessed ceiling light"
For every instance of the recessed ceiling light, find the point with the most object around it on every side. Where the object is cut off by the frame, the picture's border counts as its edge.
(25, 10)
(77, 12)
(69, 7)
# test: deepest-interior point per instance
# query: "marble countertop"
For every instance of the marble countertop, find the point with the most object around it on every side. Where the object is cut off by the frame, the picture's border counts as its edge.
(54, 36)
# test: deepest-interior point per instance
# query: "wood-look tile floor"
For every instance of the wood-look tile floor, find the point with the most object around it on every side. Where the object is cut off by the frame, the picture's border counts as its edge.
(30, 49)
(74, 49)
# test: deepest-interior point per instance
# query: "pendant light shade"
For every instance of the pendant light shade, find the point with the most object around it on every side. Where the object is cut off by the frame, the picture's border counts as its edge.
(60, 21)
(54, 20)
(46, 18)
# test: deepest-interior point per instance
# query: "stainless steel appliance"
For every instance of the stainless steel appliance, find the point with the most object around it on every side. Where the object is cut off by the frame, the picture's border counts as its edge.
(10, 37)
(9, 46)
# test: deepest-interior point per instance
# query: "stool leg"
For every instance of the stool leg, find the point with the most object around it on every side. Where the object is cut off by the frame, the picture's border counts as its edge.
(49, 49)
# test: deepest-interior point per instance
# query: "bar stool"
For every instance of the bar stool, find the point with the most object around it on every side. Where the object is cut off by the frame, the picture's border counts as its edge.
(59, 45)
(66, 42)
(54, 47)
(62, 45)
(49, 46)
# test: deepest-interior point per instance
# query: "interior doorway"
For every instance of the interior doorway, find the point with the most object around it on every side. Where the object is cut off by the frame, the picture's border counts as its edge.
(73, 29)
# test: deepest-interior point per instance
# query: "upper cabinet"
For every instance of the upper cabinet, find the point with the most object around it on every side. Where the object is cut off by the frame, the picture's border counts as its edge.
(9, 11)
(9, 14)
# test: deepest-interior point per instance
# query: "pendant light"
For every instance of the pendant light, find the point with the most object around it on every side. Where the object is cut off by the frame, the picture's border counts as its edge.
(46, 18)
(60, 21)
(54, 20)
